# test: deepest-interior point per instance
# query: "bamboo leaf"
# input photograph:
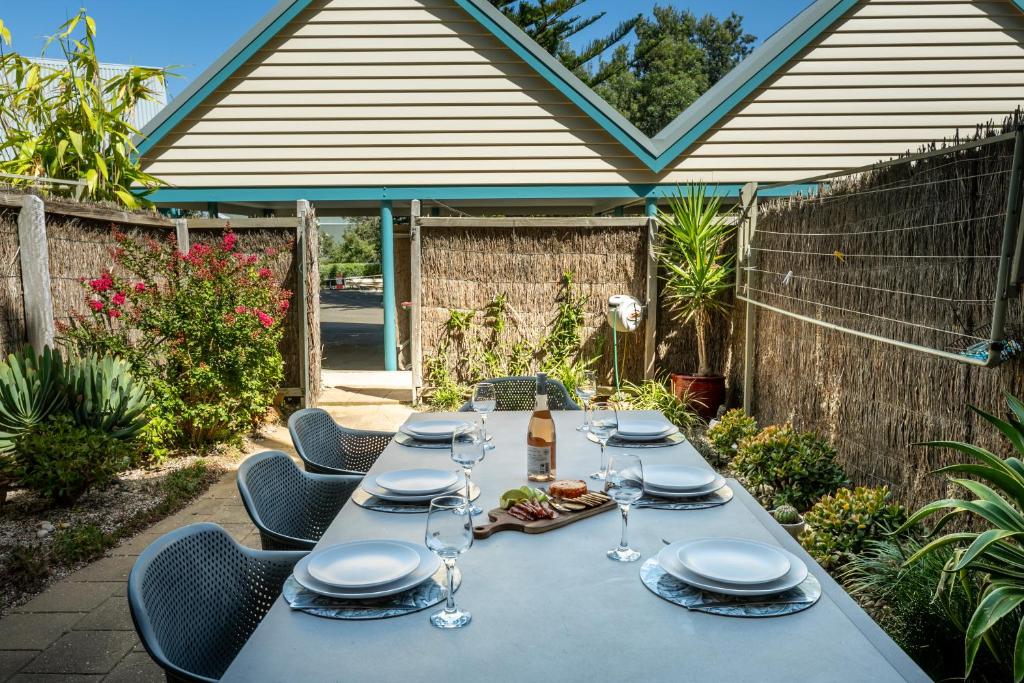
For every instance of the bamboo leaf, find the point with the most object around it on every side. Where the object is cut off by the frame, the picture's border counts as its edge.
(76, 141)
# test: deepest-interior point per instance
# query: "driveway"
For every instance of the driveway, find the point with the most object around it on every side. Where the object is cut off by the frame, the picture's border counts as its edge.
(352, 330)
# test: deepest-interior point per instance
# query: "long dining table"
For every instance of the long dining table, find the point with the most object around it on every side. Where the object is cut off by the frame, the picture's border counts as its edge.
(552, 607)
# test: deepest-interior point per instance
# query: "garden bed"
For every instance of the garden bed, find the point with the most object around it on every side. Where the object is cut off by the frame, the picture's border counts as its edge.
(40, 543)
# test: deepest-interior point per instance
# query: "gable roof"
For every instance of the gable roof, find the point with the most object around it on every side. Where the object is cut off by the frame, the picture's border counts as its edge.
(656, 153)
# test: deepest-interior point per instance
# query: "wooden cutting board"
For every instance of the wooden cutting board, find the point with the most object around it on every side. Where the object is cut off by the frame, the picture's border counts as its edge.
(500, 520)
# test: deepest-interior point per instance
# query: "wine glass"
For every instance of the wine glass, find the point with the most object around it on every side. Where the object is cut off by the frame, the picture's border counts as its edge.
(585, 391)
(603, 428)
(449, 534)
(625, 484)
(467, 451)
(485, 400)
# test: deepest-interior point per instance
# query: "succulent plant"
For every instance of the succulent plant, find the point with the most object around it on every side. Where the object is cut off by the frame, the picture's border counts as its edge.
(786, 514)
(840, 525)
(103, 394)
(30, 391)
(726, 434)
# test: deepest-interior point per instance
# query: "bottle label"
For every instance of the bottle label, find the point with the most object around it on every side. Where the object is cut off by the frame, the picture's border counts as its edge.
(538, 459)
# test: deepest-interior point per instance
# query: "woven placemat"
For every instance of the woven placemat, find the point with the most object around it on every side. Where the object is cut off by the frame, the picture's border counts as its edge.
(429, 593)
(719, 497)
(666, 586)
(617, 442)
(367, 500)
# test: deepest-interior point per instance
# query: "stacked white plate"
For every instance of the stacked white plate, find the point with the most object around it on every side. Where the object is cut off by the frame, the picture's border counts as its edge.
(733, 566)
(432, 430)
(366, 569)
(415, 485)
(644, 428)
(681, 481)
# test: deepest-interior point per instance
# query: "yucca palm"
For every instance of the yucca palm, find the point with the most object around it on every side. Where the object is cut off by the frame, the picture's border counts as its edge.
(698, 273)
(995, 555)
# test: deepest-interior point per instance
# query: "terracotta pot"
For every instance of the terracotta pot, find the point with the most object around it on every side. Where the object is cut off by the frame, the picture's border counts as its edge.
(707, 393)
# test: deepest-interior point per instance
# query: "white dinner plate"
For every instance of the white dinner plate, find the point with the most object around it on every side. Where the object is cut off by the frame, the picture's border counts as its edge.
(670, 563)
(432, 430)
(717, 483)
(417, 481)
(642, 439)
(677, 477)
(650, 428)
(373, 489)
(428, 564)
(363, 564)
(734, 561)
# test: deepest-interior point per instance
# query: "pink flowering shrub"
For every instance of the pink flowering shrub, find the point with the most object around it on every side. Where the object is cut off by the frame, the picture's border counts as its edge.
(202, 328)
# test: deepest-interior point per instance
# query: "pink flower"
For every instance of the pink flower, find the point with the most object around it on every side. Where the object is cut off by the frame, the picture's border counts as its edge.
(102, 283)
(241, 309)
(270, 251)
(266, 273)
(265, 319)
(96, 305)
(140, 286)
(118, 299)
(283, 306)
(229, 241)
(114, 313)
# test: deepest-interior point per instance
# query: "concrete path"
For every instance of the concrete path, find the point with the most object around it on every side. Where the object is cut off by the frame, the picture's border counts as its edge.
(80, 628)
(352, 329)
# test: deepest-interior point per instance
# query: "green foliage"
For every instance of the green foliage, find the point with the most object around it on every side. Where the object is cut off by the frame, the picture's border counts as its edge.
(334, 271)
(798, 467)
(31, 389)
(184, 484)
(653, 394)
(68, 123)
(61, 460)
(80, 543)
(675, 59)
(103, 394)
(444, 393)
(201, 329)
(27, 566)
(786, 514)
(841, 524)
(359, 244)
(698, 271)
(726, 434)
(994, 556)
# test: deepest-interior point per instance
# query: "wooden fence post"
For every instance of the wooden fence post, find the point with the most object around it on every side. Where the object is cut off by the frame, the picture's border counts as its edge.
(651, 326)
(302, 214)
(416, 284)
(181, 230)
(748, 225)
(35, 273)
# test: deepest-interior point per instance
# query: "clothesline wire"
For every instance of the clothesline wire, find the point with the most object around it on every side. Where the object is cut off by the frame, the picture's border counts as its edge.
(877, 190)
(870, 315)
(875, 289)
(839, 255)
(877, 232)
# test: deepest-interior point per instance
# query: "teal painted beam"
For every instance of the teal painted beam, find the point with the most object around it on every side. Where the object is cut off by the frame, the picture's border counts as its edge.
(767, 71)
(387, 266)
(225, 195)
(651, 207)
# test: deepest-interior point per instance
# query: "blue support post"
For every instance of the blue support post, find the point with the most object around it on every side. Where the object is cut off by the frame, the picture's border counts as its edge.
(387, 264)
(652, 206)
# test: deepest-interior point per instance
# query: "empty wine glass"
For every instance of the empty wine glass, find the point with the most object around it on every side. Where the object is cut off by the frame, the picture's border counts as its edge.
(449, 534)
(603, 428)
(467, 451)
(586, 390)
(625, 484)
(485, 400)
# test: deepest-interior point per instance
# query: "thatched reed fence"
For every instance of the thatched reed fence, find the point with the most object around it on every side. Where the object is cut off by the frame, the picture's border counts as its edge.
(78, 239)
(467, 262)
(908, 252)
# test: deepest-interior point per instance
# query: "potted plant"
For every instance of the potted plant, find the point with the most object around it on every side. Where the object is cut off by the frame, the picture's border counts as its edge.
(697, 275)
(790, 519)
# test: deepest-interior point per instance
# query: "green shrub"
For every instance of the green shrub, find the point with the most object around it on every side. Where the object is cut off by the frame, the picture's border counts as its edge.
(726, 434)
(62, 460)
(27, 566)
(652, 394)
(841, 524)
(80, 543)
(797, 467)
(186, 483)
(335, 270)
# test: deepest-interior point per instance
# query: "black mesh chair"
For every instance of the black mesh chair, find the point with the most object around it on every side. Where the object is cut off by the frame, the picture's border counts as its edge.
(328, 448)
(520, 393)
(291, 508)
(196, 596)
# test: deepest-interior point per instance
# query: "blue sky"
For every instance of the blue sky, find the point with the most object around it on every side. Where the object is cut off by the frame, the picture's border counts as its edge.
(193, 33)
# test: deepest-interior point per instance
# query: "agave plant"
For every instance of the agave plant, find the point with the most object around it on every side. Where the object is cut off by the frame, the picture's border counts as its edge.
(30, 391)
(103, 394)
(994, 556)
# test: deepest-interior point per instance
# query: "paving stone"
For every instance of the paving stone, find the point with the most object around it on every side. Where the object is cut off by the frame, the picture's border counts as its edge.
(54, 678)
(114, 568)
(112, 615)
(34, 631)
(11, 661)
(84, 652)
(73, 596)
(136, 667)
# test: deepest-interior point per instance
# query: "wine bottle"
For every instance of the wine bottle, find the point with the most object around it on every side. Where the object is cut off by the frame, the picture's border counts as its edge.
(540, 438)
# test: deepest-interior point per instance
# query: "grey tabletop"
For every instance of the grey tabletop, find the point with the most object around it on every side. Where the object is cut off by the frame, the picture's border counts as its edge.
(552, 607)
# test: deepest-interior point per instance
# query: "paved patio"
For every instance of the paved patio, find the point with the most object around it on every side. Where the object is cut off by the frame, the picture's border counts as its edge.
(80, 629)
